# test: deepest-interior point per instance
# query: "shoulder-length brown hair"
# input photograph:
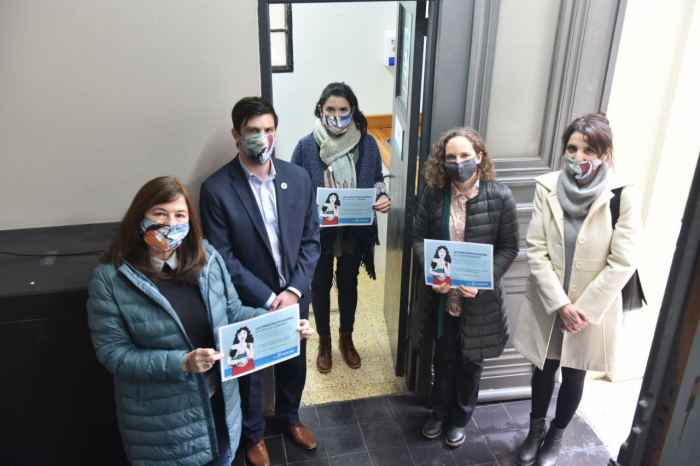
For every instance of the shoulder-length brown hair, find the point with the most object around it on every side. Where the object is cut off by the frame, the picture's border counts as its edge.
(128, 244)
(435, 165)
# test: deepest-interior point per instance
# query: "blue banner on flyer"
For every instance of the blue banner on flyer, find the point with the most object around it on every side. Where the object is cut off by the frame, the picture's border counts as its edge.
(458, 263)
(343, 207)
(253, 344)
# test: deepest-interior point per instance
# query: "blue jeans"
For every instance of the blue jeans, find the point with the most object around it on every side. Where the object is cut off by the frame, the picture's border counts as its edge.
(222, 439)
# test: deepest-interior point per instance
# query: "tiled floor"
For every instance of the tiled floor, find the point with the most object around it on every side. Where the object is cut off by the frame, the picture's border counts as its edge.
(386, 431)
(376, 376)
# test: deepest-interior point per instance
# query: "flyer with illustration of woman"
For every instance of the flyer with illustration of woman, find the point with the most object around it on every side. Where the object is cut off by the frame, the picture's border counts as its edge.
(458, 263)
(254, 344)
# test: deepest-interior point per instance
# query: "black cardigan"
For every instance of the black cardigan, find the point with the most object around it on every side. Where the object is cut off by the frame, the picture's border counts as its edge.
(492, 218)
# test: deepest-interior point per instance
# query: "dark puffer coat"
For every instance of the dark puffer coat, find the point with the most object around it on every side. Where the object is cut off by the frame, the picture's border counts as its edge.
(492, 218)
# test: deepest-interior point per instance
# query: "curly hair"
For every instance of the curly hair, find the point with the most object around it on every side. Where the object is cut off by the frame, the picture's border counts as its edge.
(448, 258)
(435, 165)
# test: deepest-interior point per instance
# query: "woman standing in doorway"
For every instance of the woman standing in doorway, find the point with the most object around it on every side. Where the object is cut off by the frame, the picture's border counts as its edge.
(462, 202)
(579, 263)
(340, 154)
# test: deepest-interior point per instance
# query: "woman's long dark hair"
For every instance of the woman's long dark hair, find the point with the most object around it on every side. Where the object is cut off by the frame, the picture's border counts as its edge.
(128, 243)
(447, 254)
(343, 90)
(337, 199)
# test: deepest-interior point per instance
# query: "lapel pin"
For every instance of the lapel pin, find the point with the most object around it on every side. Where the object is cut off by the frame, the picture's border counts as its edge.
(284, 185)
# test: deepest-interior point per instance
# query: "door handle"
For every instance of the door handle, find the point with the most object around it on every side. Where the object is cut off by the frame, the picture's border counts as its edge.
(389, 176)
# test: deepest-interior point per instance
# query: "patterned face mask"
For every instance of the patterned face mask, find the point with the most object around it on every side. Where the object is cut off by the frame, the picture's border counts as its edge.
(259, 147)
(163, 237)
(336, 125)
(582, 170)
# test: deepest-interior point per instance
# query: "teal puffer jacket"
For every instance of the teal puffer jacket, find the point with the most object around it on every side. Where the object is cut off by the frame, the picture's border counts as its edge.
(164, 413)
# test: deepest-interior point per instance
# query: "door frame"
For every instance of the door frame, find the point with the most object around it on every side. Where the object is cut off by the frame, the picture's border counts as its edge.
(404, 360)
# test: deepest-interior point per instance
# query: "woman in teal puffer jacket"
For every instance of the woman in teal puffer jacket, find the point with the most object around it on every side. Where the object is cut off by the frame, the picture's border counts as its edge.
(156, 302)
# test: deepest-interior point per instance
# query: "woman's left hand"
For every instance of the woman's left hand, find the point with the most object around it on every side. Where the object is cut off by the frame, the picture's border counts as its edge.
(467, 292)
(383, 204)
(305, 330)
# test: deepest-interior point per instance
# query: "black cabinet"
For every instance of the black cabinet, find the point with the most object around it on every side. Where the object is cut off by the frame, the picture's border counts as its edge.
(56, 400)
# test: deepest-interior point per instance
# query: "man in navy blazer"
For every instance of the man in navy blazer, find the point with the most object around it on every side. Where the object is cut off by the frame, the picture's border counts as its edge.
(260, 213)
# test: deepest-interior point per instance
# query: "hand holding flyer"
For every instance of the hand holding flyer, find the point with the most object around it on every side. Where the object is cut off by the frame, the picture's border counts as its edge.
(456, 263)
(253, 344)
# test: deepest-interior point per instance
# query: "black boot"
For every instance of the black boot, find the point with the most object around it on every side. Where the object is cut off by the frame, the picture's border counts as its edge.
(549, 454)
(455, 436)
(527, 453)
(432, 429)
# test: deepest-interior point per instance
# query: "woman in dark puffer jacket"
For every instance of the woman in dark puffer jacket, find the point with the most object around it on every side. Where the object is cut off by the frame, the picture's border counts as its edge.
(462, 202)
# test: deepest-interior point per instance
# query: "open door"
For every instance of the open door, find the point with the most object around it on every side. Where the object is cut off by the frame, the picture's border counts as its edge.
(410, 30)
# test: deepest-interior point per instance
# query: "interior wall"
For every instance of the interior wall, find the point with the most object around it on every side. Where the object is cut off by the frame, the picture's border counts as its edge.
(654, 117)
(333, 42)
(97, 98)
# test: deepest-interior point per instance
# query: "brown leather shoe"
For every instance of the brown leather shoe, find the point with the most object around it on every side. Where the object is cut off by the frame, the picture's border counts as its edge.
(347, 348)
(300, 435)
(324, 361)
(257, 453)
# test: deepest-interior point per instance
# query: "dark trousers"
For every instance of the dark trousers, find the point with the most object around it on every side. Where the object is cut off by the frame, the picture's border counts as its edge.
(570, 392)
(218, 408)
(456, 385)
(290, 377)
(347, 270)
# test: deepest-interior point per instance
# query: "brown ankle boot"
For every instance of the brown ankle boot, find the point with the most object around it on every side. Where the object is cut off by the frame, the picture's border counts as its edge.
(324, 361)
(347, 348)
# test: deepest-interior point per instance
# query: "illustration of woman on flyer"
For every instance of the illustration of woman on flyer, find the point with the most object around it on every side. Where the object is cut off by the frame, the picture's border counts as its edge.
(441, 266)
(241, 355)
(331, 210)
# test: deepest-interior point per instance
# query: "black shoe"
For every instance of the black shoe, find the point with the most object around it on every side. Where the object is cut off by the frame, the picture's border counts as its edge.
(455, 436)
(527, 453)
(549, 454)
(432, 429)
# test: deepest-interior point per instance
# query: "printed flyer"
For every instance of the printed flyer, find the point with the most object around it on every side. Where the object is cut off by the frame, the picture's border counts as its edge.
(254, 344)
(343, 207)
(458, 263)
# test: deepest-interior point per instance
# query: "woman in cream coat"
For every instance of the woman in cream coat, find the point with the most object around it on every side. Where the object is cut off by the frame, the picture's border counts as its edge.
(572, 312)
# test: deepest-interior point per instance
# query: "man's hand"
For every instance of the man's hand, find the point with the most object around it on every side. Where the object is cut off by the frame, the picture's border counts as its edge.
(284, 299)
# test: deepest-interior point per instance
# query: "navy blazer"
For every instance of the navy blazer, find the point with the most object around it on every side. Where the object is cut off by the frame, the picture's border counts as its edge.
(233, 224)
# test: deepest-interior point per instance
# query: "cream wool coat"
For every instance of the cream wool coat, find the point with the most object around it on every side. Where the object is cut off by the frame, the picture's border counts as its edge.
(604, 262)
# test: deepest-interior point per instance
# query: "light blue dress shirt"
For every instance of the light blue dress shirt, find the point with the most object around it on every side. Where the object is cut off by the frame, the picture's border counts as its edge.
(266, 198)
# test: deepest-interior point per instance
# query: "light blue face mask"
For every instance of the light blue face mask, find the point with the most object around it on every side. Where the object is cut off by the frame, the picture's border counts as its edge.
(336, 125)
(163, 237)
(582, 170)
(259, 146)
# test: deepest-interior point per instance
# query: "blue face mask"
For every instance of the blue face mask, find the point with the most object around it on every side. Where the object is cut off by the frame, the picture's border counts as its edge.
(259, 147)
(163, 237)
(336, 125)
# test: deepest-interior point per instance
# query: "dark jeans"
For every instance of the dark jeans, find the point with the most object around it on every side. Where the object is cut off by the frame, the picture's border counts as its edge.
(347, 270)
(570, 392)
(290, 377)
(222, 439)
(456, 385)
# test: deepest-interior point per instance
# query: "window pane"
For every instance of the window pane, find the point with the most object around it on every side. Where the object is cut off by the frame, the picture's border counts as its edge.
(522, 66)
(278, 16)
(278, 46)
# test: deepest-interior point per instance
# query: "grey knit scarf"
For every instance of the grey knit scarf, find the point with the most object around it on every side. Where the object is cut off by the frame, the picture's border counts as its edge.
(336, 153)
(576, 202)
